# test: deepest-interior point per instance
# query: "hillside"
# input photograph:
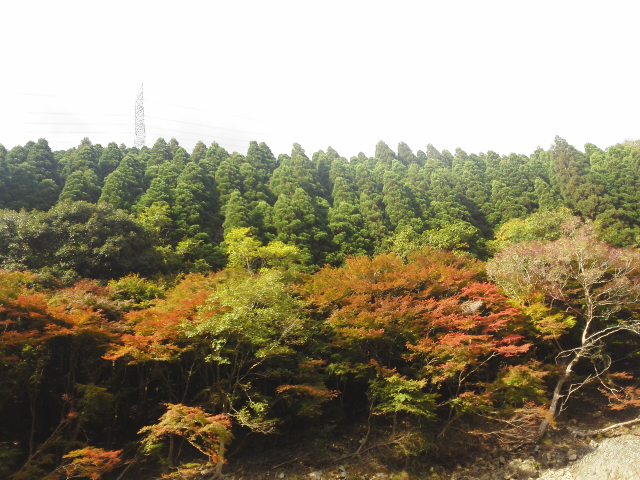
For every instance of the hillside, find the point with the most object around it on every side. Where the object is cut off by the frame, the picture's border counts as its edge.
(183, 204)
(178, 315)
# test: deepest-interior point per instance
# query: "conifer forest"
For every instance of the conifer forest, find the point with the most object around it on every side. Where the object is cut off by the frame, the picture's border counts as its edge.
(164, 313)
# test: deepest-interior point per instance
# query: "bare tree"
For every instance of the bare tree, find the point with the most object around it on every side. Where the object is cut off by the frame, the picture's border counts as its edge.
(596, 287)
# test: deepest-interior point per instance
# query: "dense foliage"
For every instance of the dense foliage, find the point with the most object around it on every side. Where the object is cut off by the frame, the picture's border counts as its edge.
(158, 308)
(327, 206)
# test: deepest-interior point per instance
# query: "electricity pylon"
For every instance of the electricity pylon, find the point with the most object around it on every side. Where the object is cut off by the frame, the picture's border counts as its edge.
(140, 132)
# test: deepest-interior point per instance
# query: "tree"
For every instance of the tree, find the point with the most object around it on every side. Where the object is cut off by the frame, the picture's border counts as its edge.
(371, 205)
(162, 187)
(208, 434)
(199, 152)
(346, 221)
(470, 170)
(228, 178)
(33, 176)
(90, 462)
(252, 327)
(615, 177)
(295, 172)
(76, 238)
(416, 334)
(446, 200)
(384, 154)
(196, 203)
(51, 343)
(125, 184)
(109, 160)
(595, 284)
(543, 225)
(236, 213)
(456, 236)
(512, 188)
(405, 155)
(85, 157)
(323, 162)
(298, 221)
(400, 205)
(570, 175)
(262, 163)
(214, 157)
(159, 154)
(81, 185)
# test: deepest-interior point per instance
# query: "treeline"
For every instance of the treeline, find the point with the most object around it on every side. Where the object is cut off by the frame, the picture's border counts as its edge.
(434, 352)
(182, 204)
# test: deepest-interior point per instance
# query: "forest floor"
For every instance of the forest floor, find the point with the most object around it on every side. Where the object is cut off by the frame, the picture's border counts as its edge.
(565, 454)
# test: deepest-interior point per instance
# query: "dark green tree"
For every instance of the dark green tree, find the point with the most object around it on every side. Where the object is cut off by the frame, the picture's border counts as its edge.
(236, 213)
(570, 175)
(33, 177)
(109, 160)
(124, 186)
(196, 209)
(400, 204)
(81, 185)
(228, 177)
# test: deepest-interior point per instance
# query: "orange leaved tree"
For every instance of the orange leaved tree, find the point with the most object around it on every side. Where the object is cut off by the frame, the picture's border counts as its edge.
(424, 338)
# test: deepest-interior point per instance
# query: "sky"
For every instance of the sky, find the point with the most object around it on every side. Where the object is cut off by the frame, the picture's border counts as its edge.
(480, 75)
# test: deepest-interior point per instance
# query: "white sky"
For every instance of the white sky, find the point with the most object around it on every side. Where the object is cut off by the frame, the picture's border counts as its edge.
(501, 75)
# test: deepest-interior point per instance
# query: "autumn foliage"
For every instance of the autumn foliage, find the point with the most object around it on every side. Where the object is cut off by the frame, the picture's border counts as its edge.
(90, 462)
(425, 337)
(423, 349)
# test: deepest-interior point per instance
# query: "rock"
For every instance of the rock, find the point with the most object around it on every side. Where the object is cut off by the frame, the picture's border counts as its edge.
(523, 468)
(572, 456)
(315, 475)
(615, 458)
(281, 475)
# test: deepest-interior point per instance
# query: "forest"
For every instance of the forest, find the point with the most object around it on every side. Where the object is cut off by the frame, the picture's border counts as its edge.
(163, 311)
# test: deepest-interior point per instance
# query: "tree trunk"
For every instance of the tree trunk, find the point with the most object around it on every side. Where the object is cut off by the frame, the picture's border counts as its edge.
(557, 395)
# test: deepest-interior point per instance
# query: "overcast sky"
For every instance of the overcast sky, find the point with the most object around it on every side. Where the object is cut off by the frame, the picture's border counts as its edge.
(500, 75)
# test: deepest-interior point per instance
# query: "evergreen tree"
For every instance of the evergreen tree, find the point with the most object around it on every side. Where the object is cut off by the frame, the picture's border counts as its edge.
(4, 177)
(400, 205)
(85, 157)
(384, 155)
(296, 221)
(470, 171)
(199, 152)
(158, 154)
(346, 221)
(195, 209)
(570, 174)
(260, 157)
(236, 213)
(124, 186)
(81, 185)
(405, 155)
(214, 157)
(371, 205)
(323, 162)
(109, 160)
(512, 189)
(228, 177)
(162, 186)
(446, 205)
(616, 179)
(33, 179)
(295, 172)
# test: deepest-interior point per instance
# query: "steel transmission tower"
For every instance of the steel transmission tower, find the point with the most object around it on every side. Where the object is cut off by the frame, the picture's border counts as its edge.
(140, 132)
